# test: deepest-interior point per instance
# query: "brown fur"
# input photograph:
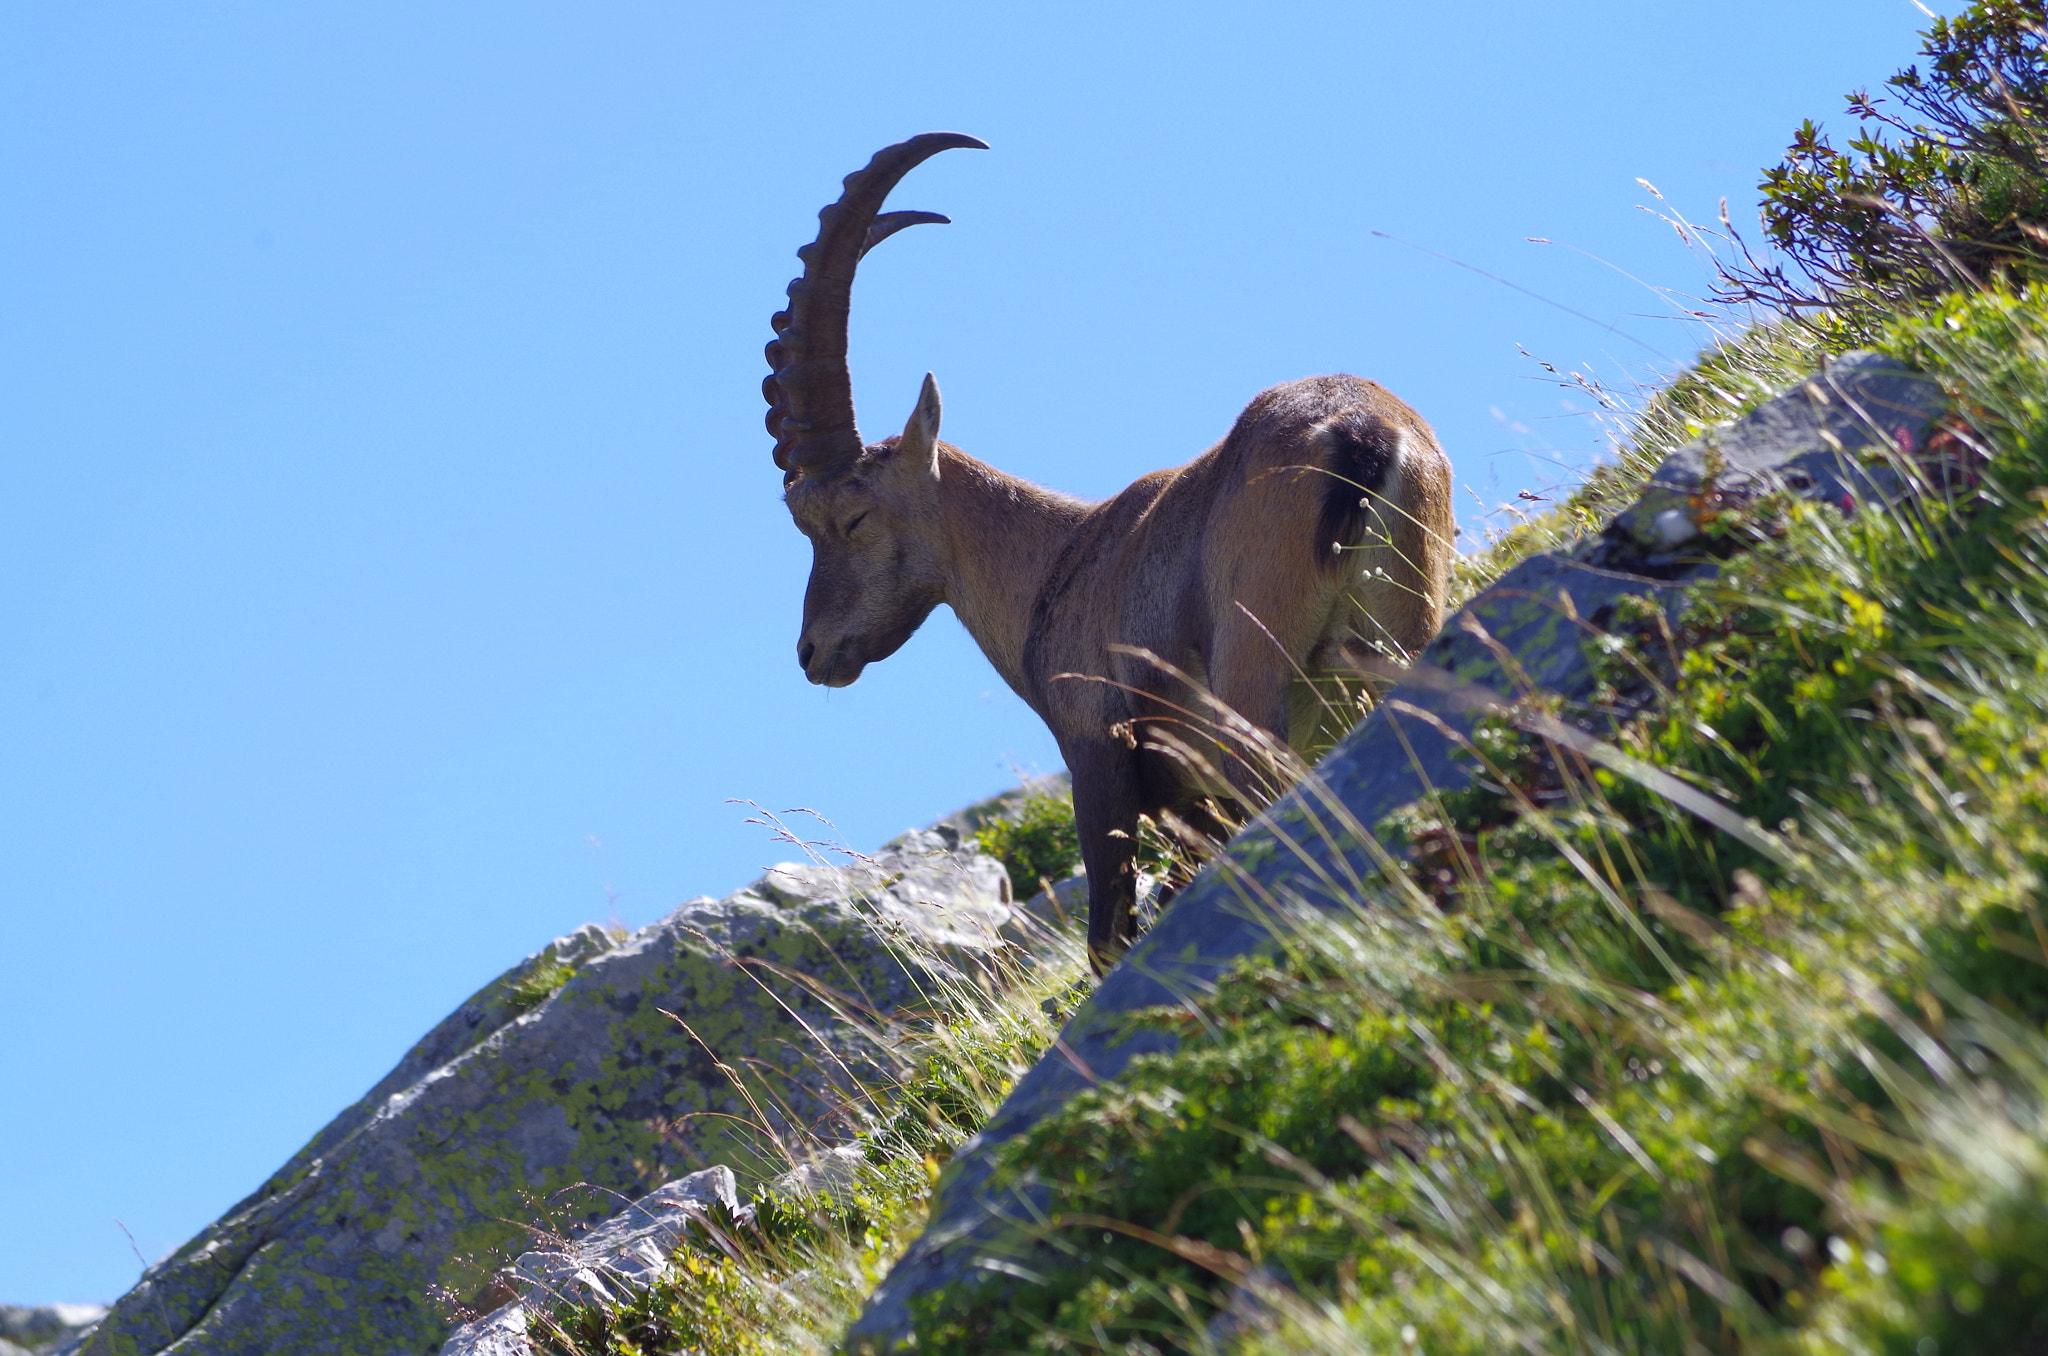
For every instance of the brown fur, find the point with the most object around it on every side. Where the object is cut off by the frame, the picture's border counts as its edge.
(1313, 541)
(1310, 546)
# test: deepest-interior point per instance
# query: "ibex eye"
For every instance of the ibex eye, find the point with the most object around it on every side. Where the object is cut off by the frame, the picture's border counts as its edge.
(858, 518)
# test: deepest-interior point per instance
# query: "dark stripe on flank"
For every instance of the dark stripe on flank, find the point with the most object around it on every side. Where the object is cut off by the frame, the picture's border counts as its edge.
(1359, 448)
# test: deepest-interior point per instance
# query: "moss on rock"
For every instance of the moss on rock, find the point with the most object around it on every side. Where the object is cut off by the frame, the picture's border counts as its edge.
(545, 1102)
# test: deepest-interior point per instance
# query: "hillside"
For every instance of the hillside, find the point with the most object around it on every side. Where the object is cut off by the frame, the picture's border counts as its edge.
(1663, 968)
(1731, 1040)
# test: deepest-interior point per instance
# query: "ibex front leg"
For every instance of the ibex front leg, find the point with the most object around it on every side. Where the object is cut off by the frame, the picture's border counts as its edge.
(1106, 809)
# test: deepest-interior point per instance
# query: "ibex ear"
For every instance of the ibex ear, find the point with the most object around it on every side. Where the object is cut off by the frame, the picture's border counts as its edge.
(920, 444)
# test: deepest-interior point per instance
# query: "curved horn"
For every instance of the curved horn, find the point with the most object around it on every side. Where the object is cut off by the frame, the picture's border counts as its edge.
(809, 390)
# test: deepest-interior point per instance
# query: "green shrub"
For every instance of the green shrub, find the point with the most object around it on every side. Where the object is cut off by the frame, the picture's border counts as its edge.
(539, 984)
(1944, 185)
(1963, 1269)
(1037, 845)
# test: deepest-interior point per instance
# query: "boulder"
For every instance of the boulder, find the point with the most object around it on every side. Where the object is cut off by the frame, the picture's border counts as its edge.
(499, 1333)
(600, 1069)
(1855, 436)
(45, 1329)
(624, 1253)
(632, 1249)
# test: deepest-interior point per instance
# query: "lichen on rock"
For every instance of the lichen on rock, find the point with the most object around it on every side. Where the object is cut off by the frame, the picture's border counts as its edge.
(593, 1072)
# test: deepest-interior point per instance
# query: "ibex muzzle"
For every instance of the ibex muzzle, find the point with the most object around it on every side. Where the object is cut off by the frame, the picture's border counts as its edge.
(1312, 542)
(873, 577)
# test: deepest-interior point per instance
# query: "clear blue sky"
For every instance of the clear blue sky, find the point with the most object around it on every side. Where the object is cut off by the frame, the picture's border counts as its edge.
(393, 575)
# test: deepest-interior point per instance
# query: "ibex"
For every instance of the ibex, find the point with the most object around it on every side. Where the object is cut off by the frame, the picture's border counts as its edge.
(1313, 540)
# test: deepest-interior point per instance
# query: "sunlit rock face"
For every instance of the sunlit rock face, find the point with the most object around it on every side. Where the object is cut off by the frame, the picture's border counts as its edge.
(599, 1062)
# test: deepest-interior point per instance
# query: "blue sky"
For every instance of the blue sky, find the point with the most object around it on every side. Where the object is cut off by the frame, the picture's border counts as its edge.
(393, 575)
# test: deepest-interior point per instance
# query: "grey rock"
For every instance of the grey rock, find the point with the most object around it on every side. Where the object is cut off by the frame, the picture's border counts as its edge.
(502, 1333)
(1049, 913)
(597, 1070)
(962, 824)
(1253, 1305)
(631, 1249)
(45, 1329)
(27, 1330)
(1038, 923)
(625, 1253)
(830, 1173)
(1853, 436)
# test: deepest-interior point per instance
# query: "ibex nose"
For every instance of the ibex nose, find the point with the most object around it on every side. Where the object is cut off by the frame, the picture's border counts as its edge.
(804, 650)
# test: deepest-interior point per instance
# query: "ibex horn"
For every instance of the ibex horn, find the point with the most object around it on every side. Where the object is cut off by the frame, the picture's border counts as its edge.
(809, 390)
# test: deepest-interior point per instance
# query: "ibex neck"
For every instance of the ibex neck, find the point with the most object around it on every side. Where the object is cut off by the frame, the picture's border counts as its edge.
(1005, 535)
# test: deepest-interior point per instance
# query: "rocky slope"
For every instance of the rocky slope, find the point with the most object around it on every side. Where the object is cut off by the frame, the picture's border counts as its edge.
(599, 1069)
(1829, 440)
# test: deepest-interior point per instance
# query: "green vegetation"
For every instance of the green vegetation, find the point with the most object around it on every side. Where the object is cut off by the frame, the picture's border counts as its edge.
(1625, 1084)
(1580, 1072)
(1943, 186)
(1583, 1074)
(1037, 845)
(538, 984)
(790, 1274)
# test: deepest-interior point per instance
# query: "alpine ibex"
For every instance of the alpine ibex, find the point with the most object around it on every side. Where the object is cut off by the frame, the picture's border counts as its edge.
(1313, 540)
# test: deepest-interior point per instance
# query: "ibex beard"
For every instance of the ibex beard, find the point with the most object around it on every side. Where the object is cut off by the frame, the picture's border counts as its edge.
(1162, 634)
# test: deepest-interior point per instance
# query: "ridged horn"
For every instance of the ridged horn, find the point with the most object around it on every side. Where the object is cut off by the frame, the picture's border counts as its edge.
(809, 389)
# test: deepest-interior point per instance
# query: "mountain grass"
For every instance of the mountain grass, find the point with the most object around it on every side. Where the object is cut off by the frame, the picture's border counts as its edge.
(1581, 1073)
(1624, 1084)
(792, 1269)
(1739, 370)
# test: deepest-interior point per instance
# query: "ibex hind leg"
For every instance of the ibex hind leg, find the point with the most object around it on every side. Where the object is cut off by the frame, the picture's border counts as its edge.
(1106, 808)
(1325, 706)
(1194, 831)
(1250, 713)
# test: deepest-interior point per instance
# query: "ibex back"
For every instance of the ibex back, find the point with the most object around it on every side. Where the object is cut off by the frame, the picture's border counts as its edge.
(1314, 540)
